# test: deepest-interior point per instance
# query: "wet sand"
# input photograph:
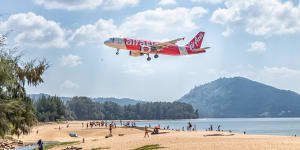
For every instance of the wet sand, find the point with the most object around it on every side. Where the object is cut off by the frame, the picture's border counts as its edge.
(174, 140)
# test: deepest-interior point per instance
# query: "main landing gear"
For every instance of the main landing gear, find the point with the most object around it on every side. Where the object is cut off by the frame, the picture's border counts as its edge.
(118, 50)
(148, 58)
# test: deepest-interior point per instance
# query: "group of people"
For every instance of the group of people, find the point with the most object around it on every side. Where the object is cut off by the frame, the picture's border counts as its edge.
(211, 128)
(130, 124)
(99, 123)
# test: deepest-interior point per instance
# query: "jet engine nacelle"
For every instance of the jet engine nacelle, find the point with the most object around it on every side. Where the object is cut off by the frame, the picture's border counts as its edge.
(135, 54)
(145, 49)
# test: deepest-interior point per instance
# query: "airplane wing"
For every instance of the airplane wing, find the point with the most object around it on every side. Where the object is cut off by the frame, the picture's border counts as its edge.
(162, 45)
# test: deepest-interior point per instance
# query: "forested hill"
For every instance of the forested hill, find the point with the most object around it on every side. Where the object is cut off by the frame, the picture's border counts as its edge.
(83, 108)
(122, 101)
(241, 97)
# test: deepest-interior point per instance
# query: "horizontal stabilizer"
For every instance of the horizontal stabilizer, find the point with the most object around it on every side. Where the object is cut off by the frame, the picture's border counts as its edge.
(201, 49)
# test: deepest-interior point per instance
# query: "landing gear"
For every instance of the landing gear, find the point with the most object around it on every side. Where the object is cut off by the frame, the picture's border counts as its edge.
(155, 56)
(148, 58)
(117, 53)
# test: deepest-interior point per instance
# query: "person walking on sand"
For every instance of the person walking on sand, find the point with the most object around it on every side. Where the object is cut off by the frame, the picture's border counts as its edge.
(146, 132)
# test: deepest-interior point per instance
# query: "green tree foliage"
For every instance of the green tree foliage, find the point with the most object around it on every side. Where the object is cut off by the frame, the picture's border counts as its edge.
(16, 111)
(50, 109)
(85, 109)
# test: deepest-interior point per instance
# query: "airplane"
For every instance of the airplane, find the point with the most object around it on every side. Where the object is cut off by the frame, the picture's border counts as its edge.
(140, 47)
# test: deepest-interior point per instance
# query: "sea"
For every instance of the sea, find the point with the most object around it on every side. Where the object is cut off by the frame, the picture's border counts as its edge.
(261, 126)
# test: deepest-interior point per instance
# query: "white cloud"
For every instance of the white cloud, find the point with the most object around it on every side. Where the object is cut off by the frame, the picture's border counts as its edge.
(85, 4)
(71, 60)
(257, 46)
(35, 31)
(192, 73)
(227, 32)
(95, 33)
(158, 20)
(117, 4)
(138, 69)
(68, 84)
(209, 1)
(280, 72)
(164, 20)
(212, 71)
(167, 2)
(260, 17)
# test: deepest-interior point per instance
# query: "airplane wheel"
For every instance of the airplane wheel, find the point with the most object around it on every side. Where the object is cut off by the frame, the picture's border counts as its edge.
(155, 56)
(117, 53)
(149, 58)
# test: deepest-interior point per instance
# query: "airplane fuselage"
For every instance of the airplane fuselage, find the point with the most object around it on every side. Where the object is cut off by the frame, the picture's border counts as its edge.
(136, 45)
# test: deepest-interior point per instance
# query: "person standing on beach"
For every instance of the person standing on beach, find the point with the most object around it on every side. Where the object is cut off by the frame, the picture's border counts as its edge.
(40, 144)
(219, 127)
(110, 129)
(146, 132)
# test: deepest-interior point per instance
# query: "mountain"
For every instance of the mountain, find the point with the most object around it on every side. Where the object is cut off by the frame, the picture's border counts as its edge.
(122, 101)
(241, 97)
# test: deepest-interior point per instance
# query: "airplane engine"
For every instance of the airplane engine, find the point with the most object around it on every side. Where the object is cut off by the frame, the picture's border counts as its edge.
(145, 49)
(135, 53)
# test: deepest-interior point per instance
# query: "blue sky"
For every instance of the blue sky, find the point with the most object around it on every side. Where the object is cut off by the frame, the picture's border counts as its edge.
(257, 39)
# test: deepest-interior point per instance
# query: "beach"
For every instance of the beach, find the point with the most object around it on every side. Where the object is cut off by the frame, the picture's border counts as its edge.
(175, 140)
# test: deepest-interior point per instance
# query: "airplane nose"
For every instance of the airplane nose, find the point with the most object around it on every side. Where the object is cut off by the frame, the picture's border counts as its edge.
(106, 42)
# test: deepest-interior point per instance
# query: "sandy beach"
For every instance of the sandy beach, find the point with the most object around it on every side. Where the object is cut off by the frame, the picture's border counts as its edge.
(174, 140)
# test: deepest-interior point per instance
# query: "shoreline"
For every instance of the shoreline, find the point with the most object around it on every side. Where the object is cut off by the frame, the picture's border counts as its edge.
(133, 137)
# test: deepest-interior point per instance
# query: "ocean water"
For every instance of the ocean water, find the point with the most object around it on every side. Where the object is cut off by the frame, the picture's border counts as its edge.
(263, 126)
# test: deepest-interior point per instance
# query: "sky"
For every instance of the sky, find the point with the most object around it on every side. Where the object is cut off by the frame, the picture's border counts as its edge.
(256, 39)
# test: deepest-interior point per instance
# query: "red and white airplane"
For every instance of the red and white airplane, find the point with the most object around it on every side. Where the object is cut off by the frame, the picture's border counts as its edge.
(141, 47)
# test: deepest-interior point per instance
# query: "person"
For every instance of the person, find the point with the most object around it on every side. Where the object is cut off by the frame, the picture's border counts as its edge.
(82, 140)
(40, 144)
(110, 129)
(146, 132)
(189, 126)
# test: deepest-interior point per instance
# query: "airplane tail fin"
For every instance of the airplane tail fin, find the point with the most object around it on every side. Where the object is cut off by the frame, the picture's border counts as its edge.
(196, 42)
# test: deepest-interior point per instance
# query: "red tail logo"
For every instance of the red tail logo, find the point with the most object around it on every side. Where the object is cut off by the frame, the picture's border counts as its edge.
(196, 42)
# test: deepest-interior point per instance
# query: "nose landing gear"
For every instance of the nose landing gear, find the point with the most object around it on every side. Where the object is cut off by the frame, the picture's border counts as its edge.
(118, 50)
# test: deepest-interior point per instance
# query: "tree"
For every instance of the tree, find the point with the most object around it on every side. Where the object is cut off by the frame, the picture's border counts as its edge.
(16, 110)
(50, 109)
